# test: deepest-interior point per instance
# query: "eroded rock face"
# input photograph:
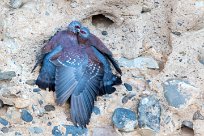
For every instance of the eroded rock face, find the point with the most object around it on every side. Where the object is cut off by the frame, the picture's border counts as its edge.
(164, 39)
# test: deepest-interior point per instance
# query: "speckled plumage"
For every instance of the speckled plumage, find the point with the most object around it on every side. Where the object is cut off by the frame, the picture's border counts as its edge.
(79, 75)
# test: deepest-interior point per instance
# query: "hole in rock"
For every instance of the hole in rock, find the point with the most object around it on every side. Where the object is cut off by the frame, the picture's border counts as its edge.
(186, 131)
(101, 20)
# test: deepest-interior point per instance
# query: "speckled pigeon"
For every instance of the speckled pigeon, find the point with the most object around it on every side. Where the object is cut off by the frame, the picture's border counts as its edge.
(80, 76)
(103, 54)
(46, 78)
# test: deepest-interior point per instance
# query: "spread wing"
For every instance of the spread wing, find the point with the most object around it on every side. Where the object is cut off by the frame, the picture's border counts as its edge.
(69, 69)
(79, 75)
(82, 99)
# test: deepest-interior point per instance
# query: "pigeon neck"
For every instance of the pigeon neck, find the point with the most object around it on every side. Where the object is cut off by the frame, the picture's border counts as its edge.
(81, 41)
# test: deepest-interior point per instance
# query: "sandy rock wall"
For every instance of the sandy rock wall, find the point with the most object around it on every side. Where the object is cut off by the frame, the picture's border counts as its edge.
(159, 44)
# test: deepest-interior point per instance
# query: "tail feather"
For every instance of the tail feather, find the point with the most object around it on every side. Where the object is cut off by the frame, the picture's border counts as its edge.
(109, 81)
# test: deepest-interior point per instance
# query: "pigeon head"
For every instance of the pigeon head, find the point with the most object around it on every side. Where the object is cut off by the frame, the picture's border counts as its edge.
(74, 26)
(84, 33)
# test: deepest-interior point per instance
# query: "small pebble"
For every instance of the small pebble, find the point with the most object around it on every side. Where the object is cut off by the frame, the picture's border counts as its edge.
(198, 116)
(7, 75)
(201, 58)
(26, 116)
(148, 81)
(5, 130)
(177, 33)
(4, 122)
(47, 13)
(18, 134)
(149, 112)
(167, 119)
(1, 104)
(104, 33)
(36, 90)
(124, 119)
(96, 110)
(74, 4)
(40, 102)
(128, 86)
(16, 3)
(127, 97)
(56, 131)
(49, 108)
(35, 130)
(49, 123)
(30, 82)
(75, 131)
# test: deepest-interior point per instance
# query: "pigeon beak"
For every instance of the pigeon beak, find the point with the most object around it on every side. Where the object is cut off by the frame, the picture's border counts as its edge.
(78, 30)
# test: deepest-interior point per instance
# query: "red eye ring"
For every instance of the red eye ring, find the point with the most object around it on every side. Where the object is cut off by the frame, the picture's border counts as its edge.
(82, 32)
(77, 27)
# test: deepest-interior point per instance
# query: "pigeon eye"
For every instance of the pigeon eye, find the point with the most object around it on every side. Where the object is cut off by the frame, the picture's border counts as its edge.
(83, 32)
(77, 27)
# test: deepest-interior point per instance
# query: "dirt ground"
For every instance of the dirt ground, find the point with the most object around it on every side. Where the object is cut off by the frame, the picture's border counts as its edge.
(154, 41)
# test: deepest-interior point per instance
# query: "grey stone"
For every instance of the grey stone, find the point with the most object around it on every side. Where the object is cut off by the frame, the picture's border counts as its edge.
(30, 82)
(5, 130)
(198, 116)
(26, 116)
(56, 131)
(16, 3)
(49, 108)
(177, 33)
(173, 94)
(167, 119)
(4, 122)
(35, 130)
(36, 90)
(104, 33)
(40, 102)
(128, 97)
(76, 131)
(74, 4)
(128, 86)
(96, 110)
(124, 119)
(140, 62)
(201, 58)
(149, 112)
(49, 123)
(7, 75)
(18, 134)
(70, 129)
